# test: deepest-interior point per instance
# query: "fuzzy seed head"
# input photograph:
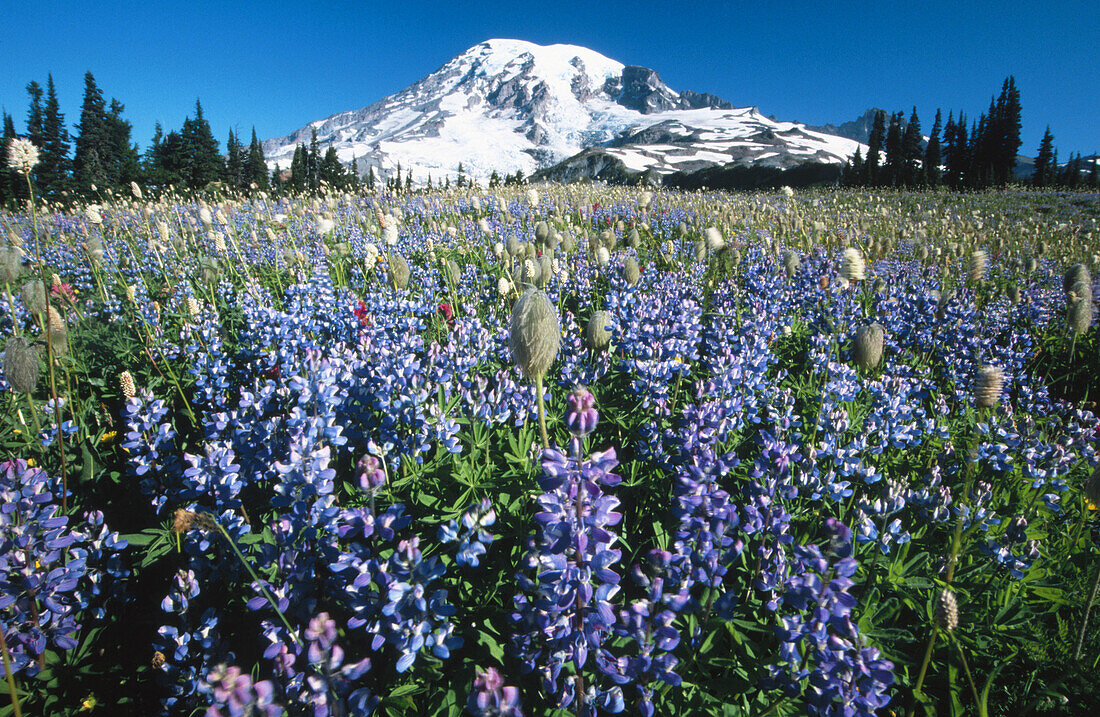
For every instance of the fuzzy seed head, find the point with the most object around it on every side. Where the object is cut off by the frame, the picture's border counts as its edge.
(21, 367)
(603, 256)
(1080, 290)
(546, 270)
(991, 380)
(34, 296)
(790, 262)
(867, 346)
(209, 271)
(542, 232)
(1079, 313)
(398, 271)
(453, 272)
(1076, 273)
(535, 333)
(714, 239)
(631, 272)
(11, 264)
(598, 332)
(56, 321)
(979, 262)
(852, 267)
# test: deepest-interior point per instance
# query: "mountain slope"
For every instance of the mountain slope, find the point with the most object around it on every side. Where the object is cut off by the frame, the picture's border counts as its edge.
(509, 105)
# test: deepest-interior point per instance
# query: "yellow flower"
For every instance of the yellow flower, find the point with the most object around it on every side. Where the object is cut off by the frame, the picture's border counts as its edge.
(88, 704)
(30, 463)
(108, 436)
(1091, 505)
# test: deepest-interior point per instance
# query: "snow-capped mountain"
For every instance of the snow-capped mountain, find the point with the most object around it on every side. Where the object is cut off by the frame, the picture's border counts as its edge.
(509, 105)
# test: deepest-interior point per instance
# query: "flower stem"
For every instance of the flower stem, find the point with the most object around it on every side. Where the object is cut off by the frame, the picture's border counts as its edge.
(1085, 618)
(11, 677)
(542, 412)
(260, 583)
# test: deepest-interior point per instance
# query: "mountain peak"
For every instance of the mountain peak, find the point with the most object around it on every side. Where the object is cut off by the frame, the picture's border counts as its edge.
(506, 105)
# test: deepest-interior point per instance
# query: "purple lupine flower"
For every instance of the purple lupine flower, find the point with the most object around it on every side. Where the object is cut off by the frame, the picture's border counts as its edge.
(233, 694)
(492, 698)
(566, 610)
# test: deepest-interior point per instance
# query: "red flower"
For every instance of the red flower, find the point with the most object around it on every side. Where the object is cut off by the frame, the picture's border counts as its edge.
(448, 313)
(362, 314)
(63, 291)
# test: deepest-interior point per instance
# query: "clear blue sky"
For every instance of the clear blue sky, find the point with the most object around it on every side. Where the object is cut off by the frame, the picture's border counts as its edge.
(278, 65)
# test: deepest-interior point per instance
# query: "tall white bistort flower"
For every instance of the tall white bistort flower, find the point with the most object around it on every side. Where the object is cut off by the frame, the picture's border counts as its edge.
(22, 155)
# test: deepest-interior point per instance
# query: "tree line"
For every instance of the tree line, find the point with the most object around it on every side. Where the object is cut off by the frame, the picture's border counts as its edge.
(980, 154)
(102, 156)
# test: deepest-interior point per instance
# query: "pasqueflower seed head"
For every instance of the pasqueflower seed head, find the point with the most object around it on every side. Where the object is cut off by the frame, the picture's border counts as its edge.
(598, 333)
(852, 267)
(398, 270)
(21, 367)
(631, 272)
(535, 333)
(979, 262)
(991, 380)
(34, 296)
(867, 346)
(1074, 274)
(1079, 313)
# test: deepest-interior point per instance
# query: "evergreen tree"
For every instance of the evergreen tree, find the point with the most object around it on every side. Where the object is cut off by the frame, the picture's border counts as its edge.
(235, 164)
(297, 181)
(53, 170)
(964, 150)
(1094, 172)
(1008, 124)
(874, 149)
(494, 179)
(856, 172)
(932, 155)
(153, 168)
(370, 178)
(911, 151)
(92, 143)
(36, 116)
(332, 172)
(256, 167)
(950, 150)
(122, 163)
(984, 148)
(894, 157)
(202, 160)
(1044, 162)
(313, 164)
(11, 189)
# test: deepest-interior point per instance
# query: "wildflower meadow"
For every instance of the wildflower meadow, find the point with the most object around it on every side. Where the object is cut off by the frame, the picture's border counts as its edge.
(550, 450)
